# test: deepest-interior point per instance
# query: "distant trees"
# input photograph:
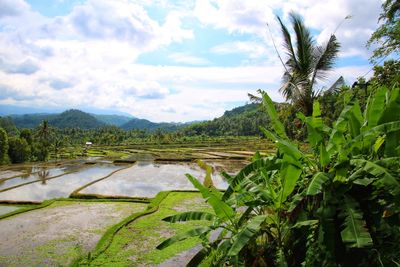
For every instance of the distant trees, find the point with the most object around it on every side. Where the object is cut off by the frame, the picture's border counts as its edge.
(44, 134)
(18, 150)
(241, 121)
(306, 64)
(388, 74)
(8, 125)
(387, 36)
(3, 146)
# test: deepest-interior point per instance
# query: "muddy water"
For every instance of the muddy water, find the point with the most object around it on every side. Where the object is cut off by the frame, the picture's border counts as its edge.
(32, 175)
(61, 186)
(144, 179)
(147, 179)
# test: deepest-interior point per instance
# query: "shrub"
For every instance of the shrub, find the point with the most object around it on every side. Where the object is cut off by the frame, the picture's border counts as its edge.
(335, 206)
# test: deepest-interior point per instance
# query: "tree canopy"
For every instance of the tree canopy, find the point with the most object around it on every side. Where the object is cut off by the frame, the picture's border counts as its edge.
(387, 36)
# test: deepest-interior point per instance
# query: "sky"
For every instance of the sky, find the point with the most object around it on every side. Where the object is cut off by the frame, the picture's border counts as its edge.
(161, 60)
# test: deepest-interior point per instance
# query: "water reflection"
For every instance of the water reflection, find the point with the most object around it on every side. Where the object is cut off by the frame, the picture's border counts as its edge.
(147, 179)
(62, 186)
(43, 175)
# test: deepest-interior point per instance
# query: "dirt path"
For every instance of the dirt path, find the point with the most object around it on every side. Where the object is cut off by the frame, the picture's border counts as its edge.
(59, 233)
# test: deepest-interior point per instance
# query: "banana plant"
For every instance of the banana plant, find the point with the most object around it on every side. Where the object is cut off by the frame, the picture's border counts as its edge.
(358, 179)
(337, 204)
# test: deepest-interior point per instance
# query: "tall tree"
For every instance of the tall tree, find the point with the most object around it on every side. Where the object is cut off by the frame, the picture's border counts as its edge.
(387, 36)
(18, 150)
(3, 146)
(44, 137)
(306, 64)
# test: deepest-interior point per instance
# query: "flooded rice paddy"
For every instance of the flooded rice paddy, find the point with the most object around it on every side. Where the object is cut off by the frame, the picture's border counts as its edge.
(146, 179)
(56, 234)
(144, 174)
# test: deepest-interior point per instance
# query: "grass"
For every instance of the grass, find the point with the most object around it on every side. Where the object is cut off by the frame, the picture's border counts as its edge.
(62, 250)
(134, 243)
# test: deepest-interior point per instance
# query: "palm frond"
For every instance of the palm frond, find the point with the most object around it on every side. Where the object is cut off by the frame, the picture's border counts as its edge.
(336, 85)
(305, 44)
(325, 58)
(288, 42)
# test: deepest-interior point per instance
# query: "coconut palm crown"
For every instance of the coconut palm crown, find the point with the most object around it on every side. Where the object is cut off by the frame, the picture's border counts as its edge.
(306, 64)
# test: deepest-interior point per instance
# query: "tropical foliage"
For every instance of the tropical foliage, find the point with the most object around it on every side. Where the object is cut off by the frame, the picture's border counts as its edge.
(306, 64)
(387, 36)
(335, 205)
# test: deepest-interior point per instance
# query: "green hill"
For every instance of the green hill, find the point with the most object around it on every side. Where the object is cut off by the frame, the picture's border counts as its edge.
(116, 120)
(240, 121)
(74, 118)
(143, 124)
(31, 120)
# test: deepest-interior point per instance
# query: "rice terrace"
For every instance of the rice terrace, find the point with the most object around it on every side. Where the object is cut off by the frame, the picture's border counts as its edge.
(73, 203)
(200, 133)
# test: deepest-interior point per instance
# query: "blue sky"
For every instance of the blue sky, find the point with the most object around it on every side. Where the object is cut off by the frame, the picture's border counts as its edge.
(163, 60)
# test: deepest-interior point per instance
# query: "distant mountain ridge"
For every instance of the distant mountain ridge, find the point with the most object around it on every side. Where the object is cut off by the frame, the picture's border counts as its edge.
(116, 120)
(70, 118)
(143, 124)
(74, 118)
(243, 120)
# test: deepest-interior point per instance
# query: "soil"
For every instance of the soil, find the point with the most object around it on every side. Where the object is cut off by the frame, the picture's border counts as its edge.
(59, 233)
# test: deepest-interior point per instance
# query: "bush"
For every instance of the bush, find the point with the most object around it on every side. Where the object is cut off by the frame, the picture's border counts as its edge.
(18, 150)
(335, 206)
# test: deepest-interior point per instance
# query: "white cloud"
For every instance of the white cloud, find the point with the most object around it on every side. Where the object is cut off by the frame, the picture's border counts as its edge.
(88, 57)
(236, 15)
(255, 50)
(327, 15)
(186, 58)
(9, 8)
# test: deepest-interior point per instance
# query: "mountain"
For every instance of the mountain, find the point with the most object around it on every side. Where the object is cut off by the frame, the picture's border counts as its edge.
(240, 121)
(31, 120)
(143, 124)
(74, 118)
(116, 120)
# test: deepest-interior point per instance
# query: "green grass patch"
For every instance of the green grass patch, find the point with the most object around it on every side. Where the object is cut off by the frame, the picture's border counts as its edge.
(135, 242)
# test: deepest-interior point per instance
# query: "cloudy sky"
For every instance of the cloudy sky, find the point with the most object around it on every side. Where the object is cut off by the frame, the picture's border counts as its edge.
(162, 60)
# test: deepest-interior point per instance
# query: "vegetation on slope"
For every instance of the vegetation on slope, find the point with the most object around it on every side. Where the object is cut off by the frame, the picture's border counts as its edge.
(241, 121)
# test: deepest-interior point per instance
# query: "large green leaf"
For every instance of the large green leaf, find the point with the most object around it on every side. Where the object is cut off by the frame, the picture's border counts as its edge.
(355, 119)
(375, 107)
(290, 174)
(373, 133)
(278, 127)
(391, 112)
(257, 165)
(190, 216)
(355, 233)
(284, 146)
(221, 209)
(246, 234)
(317, 182)
(385, 177)
(182, 236)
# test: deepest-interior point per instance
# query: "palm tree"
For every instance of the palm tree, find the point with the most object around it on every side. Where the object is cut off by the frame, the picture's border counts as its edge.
(44, 134)
(306, 64)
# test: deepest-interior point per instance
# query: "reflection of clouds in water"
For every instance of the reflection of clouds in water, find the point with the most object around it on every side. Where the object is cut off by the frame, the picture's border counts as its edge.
(58, 187)
(146, 180)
